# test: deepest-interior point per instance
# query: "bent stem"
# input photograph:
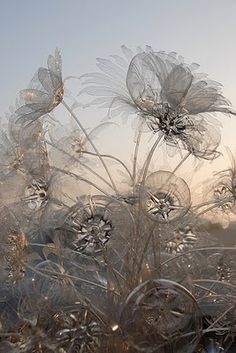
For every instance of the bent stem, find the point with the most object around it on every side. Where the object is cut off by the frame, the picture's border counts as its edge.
(221, 316)
(214, 205)
(215, 281)
(199, 206)
(143, 175)
(73, 175)
(145, 249)
(81, 163)
(92, 144)
(181, 162)
(137, 144)
(146, 165)
(49, 275)
(114, 158)
(217, 248)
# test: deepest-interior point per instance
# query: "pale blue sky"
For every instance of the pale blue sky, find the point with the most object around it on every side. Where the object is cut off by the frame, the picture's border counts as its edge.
(203, 31)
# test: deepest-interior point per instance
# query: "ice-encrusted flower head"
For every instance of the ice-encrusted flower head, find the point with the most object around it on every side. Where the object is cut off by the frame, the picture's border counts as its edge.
(97, 227)
(169, 96)
(221, 193)
(176, 101)
(45, 92)
(165, 197)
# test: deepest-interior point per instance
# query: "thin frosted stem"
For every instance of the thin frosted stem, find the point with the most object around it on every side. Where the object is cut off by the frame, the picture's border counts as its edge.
(76, 176)
(196, 207)
(215, 205)
(145, 249)
(215, 281)
(143, 175)
(81, 163)
(217, 248)
(91, 143)
(114, 158)
(137, 144)
(221, 316)
(149, 158)
(48, 273)
(181, 162)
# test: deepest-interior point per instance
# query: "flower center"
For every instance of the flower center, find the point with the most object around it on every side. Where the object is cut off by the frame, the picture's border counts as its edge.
(36, 194)
(183, 240)
(160, 204)
(92, 233)
(79, 331)
(224, 196)
(161, 117)
(58, 96)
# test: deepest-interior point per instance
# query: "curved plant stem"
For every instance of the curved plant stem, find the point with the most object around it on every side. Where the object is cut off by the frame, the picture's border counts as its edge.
(215, 281)
(76, 176)
(145, 248)
(114, 158)
(196, 207)
(137, 144)
(146, 165)
(91, 143)
(217, 248)
(143, 175)
(81, 163)
(214, 205)
(48, 274)
(181, 162)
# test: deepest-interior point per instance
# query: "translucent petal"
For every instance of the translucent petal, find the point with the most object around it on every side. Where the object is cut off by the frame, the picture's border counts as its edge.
(176, 85)
(33, 96)
(44, 77)
(108, 67)
(140, 79)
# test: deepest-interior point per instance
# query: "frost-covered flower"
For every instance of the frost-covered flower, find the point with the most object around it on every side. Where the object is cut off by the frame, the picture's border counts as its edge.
(27, 196)
(23, 148)
(176, 101)
(60, 330)
(45, 92)
(97, 226)
(221, 193)
(27, 156)
(185, 234)
(77, 331)
(168, 95)
(36, 193)
(183, 239)
(11, 156)
(70, 148)
(165, 197)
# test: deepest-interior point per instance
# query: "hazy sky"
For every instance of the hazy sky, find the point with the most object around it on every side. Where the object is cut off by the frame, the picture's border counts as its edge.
(203, 31)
